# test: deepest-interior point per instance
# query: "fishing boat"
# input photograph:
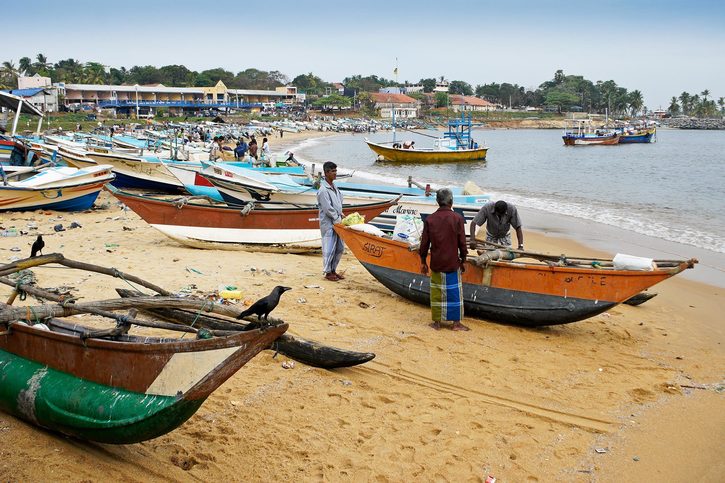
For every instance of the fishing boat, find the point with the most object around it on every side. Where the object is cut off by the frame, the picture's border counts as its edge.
(634, 135)
(511, 286)
(110, 386)
(253, 226)
(455, 145)
(106, 385)
(59, 188)
(14, 153)
(579, 132)
(238, 186)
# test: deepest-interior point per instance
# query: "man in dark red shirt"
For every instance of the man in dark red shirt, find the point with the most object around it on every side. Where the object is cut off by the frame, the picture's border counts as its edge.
(444, 234)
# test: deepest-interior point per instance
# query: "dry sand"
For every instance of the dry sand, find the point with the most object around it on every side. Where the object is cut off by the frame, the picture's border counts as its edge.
(643, 385)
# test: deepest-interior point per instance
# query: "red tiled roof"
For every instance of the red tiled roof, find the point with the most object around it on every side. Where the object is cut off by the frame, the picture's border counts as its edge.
(381, 97)
(469, 101)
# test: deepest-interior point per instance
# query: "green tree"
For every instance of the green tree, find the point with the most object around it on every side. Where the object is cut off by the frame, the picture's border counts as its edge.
(635, 101)
(428, 85)
(25, 65)
(460, 87)
(441, 99)
(310, 84)
(94, 73)
(560, 98)
(721, 103)
(332, 101)
(685, 102)
(176, 76)
(674, 108)
(9, 75)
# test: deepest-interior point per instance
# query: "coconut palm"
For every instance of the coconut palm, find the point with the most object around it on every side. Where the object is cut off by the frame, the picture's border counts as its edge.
(9, 75)
(674, 108)
(25, 65)
(635, 101)
(94, 73)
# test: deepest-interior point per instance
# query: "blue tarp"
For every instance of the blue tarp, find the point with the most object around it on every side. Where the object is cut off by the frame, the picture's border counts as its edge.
(26, 92)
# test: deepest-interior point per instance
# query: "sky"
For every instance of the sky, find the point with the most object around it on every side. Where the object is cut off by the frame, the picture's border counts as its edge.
(661, 47)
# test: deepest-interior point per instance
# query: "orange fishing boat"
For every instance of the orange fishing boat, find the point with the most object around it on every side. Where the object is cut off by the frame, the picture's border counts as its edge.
(511, 286)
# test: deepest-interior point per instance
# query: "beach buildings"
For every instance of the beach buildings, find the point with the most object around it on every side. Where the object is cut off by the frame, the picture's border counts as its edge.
(145, 99)
(405, 107)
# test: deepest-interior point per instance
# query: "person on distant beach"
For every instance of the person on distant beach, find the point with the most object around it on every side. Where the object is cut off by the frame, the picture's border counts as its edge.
(215, 153)
(329, 199)
(266, 154)
(444, 235)
(499, 217)
(241, 150)
(253, 148)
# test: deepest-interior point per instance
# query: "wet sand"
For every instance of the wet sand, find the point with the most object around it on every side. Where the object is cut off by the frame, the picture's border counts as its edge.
(634, 394)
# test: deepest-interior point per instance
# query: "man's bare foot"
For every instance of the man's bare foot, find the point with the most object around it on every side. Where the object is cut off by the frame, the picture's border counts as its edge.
(459, 326)
(435, 325)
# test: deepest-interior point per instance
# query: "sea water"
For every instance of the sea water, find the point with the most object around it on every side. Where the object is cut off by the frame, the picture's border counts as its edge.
(671, 190)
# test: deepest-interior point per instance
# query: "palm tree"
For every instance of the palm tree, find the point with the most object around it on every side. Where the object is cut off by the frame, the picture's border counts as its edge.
(721, 103)
(41, 66)
(9, 75)
(94, 73)
(25, 65)
(674, 108)
(704, 94)
(635, 102)
(685, 102)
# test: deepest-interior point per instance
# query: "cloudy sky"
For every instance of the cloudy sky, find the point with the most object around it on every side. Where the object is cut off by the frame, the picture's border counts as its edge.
(661, 47)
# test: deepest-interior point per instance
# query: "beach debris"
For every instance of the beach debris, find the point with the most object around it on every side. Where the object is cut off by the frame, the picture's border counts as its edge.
(59, 227)
(252, 269)
(15, 249)
(288, 365)
(301, 300)
(312, 286)
(75, 224)
(234, 403)
(111, 247)
(635, 458)
(175, 259)
(193, 270)
(490, 479)
(10, 232)
(601, 450)
(345, 382)
(127, 228)
(364, 305)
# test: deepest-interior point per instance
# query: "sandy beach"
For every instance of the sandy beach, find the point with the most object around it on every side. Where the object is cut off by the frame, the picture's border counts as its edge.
(634, 394)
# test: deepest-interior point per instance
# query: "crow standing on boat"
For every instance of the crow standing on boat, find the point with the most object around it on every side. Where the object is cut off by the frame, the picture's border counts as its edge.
(263, 307)
(38, 245)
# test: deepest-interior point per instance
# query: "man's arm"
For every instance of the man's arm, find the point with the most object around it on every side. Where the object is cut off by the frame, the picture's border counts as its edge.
(520, 237)
(423, 250)
(472, 229)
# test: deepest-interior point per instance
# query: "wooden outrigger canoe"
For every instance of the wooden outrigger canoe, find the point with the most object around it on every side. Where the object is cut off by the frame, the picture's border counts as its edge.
(253, 226)
(389, 153)
(119, 391)
(108, 386)
(550, 291)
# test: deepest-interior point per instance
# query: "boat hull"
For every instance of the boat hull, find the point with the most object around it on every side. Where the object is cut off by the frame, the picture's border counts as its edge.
(637, 138)
(422, 156)
(509, 292)
(119, 392)
(294, 228)
(576, 140)
(70, 198)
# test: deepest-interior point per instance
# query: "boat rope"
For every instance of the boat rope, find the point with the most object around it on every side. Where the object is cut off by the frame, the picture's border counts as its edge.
(247, 209)
(118, 274)
(24, 279)
(198, 313)
(181, 202)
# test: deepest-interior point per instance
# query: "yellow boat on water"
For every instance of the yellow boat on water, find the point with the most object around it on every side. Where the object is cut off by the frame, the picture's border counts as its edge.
(455, 145)
(433, 155)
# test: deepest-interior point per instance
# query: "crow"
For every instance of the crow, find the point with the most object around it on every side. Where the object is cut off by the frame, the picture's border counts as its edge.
(263, 307)
(38, 245)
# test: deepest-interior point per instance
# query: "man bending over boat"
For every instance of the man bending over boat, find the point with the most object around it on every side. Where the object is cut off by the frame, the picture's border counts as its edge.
(444, 234)
(499, 217)
(329, 200)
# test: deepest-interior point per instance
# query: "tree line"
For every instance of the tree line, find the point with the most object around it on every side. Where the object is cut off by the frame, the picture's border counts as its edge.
(561, 93)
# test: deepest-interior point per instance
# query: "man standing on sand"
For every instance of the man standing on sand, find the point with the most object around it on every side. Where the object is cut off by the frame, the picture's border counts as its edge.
(499, 217)
(329, 201)
(444, 233)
